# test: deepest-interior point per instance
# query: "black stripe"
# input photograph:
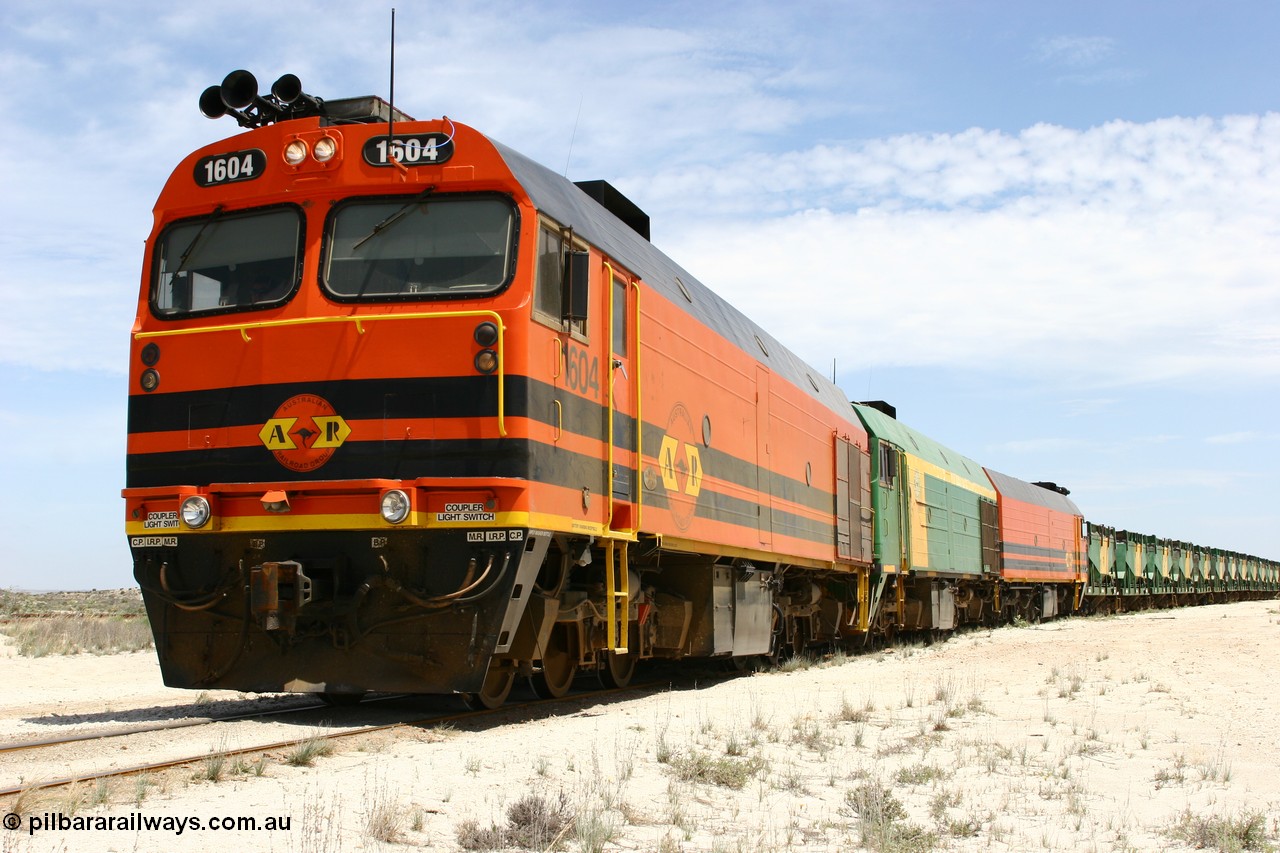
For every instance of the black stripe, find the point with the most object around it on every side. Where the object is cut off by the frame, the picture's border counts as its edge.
(1033, 551)
(397, 459)
(447, 397)
(436, 397)
(747, 474)
(460, 397)
(353, 399)
(1032, 566)
(480, 458)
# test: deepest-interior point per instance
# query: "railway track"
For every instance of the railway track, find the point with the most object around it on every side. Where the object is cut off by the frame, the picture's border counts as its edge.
(105, 734)
(41, 761)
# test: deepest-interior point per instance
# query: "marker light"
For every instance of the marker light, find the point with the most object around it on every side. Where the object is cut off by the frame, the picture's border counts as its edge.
(395, 506)
(486, 334)
(149, 380)
(486, 361)
(325, 148)
(195, 512)
(295, 152)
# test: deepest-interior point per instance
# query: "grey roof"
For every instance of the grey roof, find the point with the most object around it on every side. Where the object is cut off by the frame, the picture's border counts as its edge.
(560, 199)
(890, 429)
(1023, 491)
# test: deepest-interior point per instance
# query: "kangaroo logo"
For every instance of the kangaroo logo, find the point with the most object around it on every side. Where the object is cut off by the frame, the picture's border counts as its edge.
(304, 433)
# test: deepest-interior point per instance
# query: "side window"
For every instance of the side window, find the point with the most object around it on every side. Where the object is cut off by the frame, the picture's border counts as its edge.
(548, 295)
(620, 315)
(888, 465)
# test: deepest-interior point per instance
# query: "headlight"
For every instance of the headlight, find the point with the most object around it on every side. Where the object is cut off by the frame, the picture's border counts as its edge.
(325, 148)
(395, 506)
(295, 152)
(195, 512)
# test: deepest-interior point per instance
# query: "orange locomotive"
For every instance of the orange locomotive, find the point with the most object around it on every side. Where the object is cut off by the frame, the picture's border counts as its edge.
(410, 412)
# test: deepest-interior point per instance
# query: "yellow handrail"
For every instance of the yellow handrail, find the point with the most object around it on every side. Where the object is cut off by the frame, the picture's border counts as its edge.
(634, 342)
(359, 321)
(617, 630)
(636, 365)
(608, 433)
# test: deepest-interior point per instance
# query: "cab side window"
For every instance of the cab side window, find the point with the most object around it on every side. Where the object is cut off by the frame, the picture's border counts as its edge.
(620, 315)
(549, 292)
(888, 465)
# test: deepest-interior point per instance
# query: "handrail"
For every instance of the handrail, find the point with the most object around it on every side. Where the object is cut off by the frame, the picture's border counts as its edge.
(634, 343)
(608, 429)
(359, 320)
(639, 432)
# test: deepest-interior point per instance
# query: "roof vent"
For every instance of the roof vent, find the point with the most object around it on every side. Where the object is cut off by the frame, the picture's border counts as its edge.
(617, 204)
(881, 406)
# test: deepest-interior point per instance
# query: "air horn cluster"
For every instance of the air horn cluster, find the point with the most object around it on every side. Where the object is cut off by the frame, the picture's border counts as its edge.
(238, 97)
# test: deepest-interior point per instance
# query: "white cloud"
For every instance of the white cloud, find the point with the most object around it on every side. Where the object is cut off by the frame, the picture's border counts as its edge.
(1124, 253)
(1242, 437)
(1075, 51)
(1138, 251)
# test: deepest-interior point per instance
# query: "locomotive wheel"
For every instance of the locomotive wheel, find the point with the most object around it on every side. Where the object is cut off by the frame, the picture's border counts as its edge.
(559, 665)
(496, 689)
(618, 669)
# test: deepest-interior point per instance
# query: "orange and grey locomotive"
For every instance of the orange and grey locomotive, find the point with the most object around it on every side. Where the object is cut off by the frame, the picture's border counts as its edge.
(410, 412)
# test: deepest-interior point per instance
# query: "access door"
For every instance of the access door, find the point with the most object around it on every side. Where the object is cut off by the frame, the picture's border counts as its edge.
(623, 416)
(853, 502)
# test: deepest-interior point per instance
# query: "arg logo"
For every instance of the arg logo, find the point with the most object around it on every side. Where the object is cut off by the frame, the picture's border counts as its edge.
(304, 433)
(680, 463)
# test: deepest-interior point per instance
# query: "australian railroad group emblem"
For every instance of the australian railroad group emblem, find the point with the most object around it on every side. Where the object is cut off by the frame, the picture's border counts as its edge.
(680, 463)
(304, 432)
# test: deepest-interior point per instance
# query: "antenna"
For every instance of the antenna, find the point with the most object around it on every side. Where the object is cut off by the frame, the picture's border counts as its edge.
(572, 137)
(391, 111)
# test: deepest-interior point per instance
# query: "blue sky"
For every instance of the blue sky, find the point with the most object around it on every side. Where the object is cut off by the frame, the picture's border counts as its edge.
(1048, 232)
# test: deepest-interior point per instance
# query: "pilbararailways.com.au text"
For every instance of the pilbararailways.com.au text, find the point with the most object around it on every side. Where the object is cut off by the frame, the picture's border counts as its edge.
(139, 822)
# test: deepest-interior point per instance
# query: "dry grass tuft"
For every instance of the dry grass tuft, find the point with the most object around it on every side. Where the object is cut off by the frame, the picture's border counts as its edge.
(725, 771)
(1245, 831)
(533, 822)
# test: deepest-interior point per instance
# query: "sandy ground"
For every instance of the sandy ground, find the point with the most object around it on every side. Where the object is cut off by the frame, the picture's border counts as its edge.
(1100, 734)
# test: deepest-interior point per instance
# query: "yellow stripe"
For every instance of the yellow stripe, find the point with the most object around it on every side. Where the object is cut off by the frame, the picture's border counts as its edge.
(918, 464)
(286, 522)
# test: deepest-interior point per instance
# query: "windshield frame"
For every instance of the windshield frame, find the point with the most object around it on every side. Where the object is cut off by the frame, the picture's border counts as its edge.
(216, 217)
(398, 206)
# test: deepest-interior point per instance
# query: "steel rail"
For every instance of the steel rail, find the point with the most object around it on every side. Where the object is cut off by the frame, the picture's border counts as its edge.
(155, 727)
(293, 742)
(183, 723)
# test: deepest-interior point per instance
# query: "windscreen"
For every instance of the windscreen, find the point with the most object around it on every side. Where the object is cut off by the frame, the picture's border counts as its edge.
(227, 262)
(423, 247)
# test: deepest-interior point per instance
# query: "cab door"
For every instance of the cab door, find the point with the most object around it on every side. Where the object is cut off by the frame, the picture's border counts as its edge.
(623, 415)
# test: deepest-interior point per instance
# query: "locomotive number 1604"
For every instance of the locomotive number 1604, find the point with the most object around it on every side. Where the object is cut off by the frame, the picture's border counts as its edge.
(419, 149)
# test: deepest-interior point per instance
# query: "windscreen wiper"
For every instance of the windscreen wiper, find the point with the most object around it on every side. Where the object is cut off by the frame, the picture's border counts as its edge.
(394, 217)
(182, 261)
